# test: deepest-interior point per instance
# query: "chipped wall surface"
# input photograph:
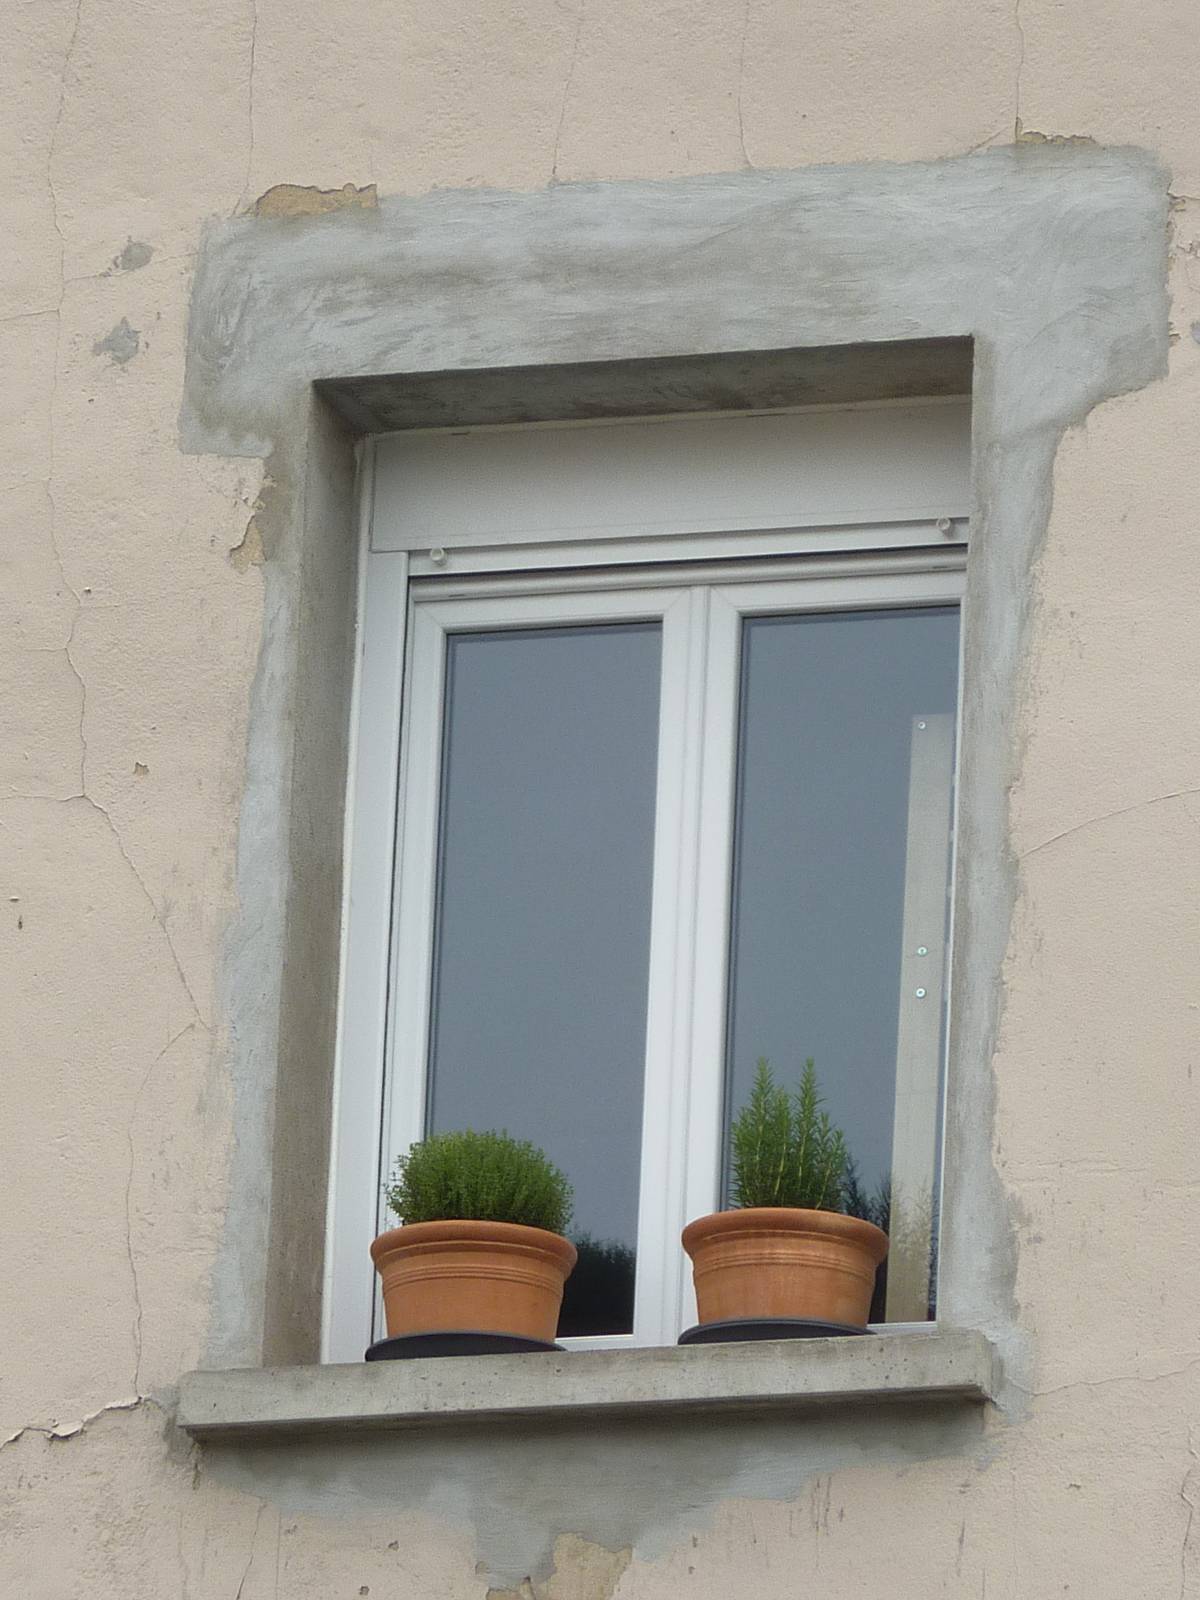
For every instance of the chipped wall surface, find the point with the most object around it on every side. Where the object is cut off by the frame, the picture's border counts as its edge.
(160, 619)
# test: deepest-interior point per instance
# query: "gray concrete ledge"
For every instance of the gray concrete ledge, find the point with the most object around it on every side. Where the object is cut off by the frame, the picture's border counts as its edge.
(726, 381)
(792, 1374)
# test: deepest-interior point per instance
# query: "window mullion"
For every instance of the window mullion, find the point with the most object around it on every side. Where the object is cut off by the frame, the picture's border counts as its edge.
(711, 891)
(665, 1155)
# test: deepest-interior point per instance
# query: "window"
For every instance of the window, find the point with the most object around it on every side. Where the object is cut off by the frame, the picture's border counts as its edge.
(654, 776)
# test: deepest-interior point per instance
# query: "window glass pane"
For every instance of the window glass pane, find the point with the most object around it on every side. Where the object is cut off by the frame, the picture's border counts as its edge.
(845, 767)
(543, 921)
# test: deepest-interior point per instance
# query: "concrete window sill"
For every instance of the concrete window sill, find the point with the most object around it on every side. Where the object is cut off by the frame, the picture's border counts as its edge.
(795, 1375)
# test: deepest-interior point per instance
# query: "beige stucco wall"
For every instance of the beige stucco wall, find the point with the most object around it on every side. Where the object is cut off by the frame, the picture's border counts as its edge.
(132, 606)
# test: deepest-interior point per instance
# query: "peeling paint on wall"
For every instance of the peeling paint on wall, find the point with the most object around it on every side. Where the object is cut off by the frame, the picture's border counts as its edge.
(250, 552)
(305, 200)
(582, 1571)
(1026, 135)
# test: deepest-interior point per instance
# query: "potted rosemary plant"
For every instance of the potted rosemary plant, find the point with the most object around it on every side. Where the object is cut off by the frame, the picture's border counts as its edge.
(481, 1246)
(787, 1251)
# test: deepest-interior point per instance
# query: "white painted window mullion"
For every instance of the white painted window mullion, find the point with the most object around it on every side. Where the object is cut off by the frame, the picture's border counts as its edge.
(699, 1191)
(672, 959)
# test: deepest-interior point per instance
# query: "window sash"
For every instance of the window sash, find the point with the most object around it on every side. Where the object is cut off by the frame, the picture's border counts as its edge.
(406, 1082)
(713, 888)
(682, 1112)
(923, 549)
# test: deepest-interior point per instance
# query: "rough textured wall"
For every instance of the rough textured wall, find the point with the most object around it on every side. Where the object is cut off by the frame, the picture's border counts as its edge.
(132, 592)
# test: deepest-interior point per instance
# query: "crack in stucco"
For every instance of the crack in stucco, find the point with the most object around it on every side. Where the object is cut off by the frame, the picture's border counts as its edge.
(131, 1253)
(262, 1506)
(82, 793)
(242, 198)
(185, 1565)
(62, 295)
(741, 80)
(1191, 1514)
(1106, 816)
(110, 271)
(107, 272)
(51, 440)
(1020, 27)
(53, 147)
(985, 143)
(562, 109)
(170, 943)
(59, 1431)
(83, 743)
(1106, 1382)
(28, 316)
(75, 595)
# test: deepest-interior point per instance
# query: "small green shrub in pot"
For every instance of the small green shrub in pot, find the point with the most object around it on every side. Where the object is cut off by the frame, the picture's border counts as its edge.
(784, 1151)
(786, 1252)
(482, 1246)
(488, 1177)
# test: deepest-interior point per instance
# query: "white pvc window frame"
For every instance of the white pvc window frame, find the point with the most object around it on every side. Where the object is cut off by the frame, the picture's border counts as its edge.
(408, 606)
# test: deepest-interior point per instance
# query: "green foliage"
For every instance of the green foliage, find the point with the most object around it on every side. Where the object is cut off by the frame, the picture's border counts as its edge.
(784, 1149)
(872, 1205)
(599, 1293)
(484, 1177)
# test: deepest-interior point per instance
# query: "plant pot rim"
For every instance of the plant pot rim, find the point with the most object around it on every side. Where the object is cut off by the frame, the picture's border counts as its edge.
(757, 1220)
(471, 1231)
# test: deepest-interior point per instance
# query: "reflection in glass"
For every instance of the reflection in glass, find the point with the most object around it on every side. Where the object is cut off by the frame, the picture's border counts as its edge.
(845, 762)
(549, 767)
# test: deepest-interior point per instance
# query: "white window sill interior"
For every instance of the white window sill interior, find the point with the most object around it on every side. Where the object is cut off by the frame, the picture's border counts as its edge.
(940, 1365)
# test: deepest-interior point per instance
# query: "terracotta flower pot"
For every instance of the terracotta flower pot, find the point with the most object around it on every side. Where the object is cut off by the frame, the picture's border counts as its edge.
(777, 1261)
(490, 1277)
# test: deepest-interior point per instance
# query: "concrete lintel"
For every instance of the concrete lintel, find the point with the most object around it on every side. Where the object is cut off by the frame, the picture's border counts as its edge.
(748, 380)
(797, 1375)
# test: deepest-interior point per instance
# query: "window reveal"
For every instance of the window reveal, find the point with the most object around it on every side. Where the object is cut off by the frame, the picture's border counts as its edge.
(652, 778)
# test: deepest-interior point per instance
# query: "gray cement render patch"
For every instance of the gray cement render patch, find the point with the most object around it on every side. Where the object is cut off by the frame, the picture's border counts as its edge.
(640, 1485)
(1052, 259)
(1017, 247)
